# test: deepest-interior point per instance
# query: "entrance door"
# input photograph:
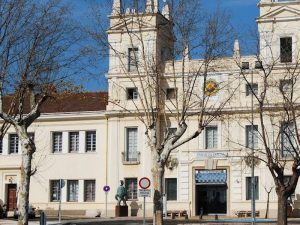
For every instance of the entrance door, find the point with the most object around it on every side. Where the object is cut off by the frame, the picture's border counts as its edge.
(212, 199)
(11, 196)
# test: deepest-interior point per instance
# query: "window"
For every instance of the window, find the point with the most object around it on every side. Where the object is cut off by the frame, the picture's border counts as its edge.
(54, 190)
(171, 93)
(249, 189)
(90, 141)
(13, 143)
(57, 142)
(89, 190)
(171, 188)
(73, 141)
(245, 65)
(132, 93)
(133, 59)
(131, 142)
(211, 137)
(286, 49)
(288, 139)
(286, 86)
(72, 191)
(131, 187)
(251, 138)
(251, 88)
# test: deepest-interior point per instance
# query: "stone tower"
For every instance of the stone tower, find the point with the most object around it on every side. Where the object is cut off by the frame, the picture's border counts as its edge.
(278, 26)
(140, 44)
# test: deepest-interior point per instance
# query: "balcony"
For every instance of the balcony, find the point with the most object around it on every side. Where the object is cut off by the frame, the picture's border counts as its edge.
(132, 159)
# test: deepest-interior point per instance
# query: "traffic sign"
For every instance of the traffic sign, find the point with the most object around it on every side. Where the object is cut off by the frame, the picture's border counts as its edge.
(144, 182)
(144, 192)
(106, 188)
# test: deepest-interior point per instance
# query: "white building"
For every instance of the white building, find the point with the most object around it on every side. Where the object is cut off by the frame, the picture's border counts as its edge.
(91, 148)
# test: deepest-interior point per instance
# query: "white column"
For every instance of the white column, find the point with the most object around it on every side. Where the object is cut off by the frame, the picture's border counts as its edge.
(80, 190)
(65, 142)
(64, 192)
(81, 141)
(5, 145)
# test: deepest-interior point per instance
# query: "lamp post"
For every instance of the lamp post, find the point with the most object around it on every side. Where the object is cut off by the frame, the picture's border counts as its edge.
(252, 154)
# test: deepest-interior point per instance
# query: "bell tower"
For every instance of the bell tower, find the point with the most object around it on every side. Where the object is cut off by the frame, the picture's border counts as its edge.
(279, 35)
(140, 43)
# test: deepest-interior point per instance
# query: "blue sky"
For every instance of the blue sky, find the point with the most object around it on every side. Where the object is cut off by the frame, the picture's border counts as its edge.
(243, 14)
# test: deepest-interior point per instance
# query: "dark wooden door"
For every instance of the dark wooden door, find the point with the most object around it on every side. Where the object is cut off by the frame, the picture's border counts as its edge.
(11, 197)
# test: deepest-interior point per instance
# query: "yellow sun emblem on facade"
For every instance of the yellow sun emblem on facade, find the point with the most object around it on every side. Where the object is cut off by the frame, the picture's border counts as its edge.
(211, 87)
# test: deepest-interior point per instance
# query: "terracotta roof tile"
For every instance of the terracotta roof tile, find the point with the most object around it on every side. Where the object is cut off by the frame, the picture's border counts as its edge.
(71, 102)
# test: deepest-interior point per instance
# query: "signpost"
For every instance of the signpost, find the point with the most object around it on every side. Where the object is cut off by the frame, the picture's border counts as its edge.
(144, 184)
(106, 189)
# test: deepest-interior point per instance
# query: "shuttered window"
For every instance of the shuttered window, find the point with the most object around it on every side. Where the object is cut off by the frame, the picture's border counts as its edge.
(211, 137)
(131, 148)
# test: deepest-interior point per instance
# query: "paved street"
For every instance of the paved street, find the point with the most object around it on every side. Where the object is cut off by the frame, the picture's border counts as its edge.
(139, 221)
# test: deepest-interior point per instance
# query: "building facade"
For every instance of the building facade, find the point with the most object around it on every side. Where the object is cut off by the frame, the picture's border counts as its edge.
(89, 148)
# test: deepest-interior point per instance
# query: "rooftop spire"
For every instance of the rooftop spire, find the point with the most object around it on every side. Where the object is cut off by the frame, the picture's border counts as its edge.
(166, 10)
(236, 49)
(116, 9)
(152, 6)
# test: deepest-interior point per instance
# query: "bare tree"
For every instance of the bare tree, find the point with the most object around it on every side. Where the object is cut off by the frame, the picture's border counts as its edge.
(35, 39)
(171, 88)
(276, 106)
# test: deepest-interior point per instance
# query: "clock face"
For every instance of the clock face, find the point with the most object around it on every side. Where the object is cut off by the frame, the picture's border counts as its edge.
(211, 87)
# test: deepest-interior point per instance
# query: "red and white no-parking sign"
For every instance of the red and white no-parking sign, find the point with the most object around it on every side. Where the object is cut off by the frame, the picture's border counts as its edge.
(144, 182)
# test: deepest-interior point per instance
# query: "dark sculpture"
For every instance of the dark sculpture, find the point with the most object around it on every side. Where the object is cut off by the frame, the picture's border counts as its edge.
(121, 194)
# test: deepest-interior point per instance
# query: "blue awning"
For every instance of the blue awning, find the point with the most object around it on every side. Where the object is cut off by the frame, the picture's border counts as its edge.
(211, 177)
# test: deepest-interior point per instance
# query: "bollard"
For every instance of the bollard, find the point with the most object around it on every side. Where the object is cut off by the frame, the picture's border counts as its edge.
(201, 213)
(43, 219)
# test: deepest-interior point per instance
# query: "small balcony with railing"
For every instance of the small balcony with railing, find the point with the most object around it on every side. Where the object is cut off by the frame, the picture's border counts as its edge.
(131, 158)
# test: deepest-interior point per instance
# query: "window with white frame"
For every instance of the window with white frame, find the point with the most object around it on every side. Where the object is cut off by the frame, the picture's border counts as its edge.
(90, 141)
(131, 144)
(72, 190)
(288, 139)
(74, 141)
(133, 59)
(54, 190)
(131, 187)
(251, 136)
(249, 188)
(211, 137)
(13, 146)
(89, 190)
(171, 188)
(57, 142)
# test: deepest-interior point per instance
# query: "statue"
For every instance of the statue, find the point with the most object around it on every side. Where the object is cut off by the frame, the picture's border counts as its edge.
(121, 194)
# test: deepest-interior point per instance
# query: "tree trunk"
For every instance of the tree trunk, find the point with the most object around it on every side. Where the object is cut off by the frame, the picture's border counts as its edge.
(282, 208)
(157, 175)
(27, 152)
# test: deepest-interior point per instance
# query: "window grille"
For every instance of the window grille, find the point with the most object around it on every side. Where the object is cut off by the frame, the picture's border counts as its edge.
(72, 191)
(211, 137)
(90, 140)
(57, 142)
(131, 149)
(73, 141)
(13, 143)
(54, 190)
(131, 186)
(89, 190)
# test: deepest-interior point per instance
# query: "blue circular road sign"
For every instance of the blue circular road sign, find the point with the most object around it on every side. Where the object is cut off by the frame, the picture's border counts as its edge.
(106, 188)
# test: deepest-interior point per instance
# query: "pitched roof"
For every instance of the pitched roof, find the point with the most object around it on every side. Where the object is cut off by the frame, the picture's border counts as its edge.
(70, 102)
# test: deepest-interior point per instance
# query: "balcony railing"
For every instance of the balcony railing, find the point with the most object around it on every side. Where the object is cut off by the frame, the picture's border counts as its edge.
(133, 159)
